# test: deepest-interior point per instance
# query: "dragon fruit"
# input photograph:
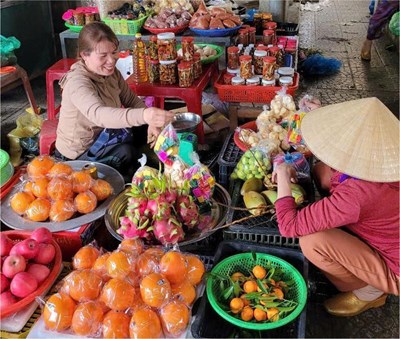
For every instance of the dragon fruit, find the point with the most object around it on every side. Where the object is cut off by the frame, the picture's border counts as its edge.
(171, 195)
(134, 227)
(138, 204)
(187, 211)
(168, 231)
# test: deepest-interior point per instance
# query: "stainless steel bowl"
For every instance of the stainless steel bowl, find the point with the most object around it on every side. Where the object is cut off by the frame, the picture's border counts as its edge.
(186, 122)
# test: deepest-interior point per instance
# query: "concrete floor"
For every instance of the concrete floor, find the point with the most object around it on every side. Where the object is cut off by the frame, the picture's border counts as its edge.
(338, 30)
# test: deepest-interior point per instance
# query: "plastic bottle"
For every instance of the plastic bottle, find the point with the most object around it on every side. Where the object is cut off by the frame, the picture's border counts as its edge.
(139, 59)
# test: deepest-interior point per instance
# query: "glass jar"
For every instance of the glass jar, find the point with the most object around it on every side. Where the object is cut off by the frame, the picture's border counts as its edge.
(89, 17)
(187, 48)
(268, 83)
(245, 67)
(268, 36)
(243, 36)
(253, 81)
(235, 71)
(285, 81)
(266, 17)
(257, 19)
(252, 35)
(79, 18)
(258, 61)
(227, 79)
(269, 66)
(152, 50)
(168, 72)
(166, 44)
(233, 57)
(276, 52)
(286, 71)
(197, 66)
(236, 81)
(153, 70)
(185, 74)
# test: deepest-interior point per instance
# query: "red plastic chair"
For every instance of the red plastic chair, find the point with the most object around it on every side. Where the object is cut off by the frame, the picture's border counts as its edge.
(48, 134)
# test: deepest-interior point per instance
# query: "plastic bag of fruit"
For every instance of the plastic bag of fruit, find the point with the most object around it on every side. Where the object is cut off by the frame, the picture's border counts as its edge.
(254, 163)
(143, 173)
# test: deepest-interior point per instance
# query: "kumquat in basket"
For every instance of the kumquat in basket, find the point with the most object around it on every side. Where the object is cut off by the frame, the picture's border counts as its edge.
(259, 295)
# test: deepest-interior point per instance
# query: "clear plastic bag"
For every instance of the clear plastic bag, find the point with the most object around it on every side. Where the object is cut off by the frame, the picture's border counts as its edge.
(175, 173)
(144, 173)
(167, 145)
(254, 163)
(297, 160)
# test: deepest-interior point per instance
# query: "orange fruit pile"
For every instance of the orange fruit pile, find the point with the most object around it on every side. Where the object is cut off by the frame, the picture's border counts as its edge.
(126, 293)
(55, 192)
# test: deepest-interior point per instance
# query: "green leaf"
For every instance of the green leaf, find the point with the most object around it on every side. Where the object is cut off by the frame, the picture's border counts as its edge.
(236, 289)
(286, 309)
(261, 286)
(227, 293)
(254, 255)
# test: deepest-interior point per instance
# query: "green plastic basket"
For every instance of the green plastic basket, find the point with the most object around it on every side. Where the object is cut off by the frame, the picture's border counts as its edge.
(6, 168)
(244, 263)
(126, 27)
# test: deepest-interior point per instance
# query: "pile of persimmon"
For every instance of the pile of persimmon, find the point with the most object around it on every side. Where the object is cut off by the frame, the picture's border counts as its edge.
(56, 192)
(260, 296)
(130, 292)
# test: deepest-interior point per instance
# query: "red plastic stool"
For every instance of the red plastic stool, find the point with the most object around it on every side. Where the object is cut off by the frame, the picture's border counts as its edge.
(49, 128)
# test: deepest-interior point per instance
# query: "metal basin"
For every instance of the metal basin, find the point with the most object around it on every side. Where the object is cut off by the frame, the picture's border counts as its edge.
(186, 122)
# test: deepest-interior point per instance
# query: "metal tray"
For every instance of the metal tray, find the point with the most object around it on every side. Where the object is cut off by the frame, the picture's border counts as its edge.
(15, 221)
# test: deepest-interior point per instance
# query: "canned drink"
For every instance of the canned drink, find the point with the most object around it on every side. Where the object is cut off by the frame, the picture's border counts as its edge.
(91, 169)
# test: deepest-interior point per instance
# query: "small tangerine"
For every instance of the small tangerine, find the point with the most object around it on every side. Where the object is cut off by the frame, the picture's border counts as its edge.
(145, 323)
(39, 166)
(87, 319)
(118, 294)
(184, 292)
(245, 300)
(118, 265)
(60, 189)
(60, 169)
(20, 202)
(237, 276)
(195, 269)
(259, 272)
(260, 315)
(102, 189)
(58, 312)
(250, 286)
(39, 188)
(61, 210)
(175, 318)
(173, 265)
(81, 181)
(115, 325)
(278, 293)
(84, 285)
(155, 289)
(85, 257)
(247, 313)
(236, 305)
(85, 202)
(38, 210)
(273, 314)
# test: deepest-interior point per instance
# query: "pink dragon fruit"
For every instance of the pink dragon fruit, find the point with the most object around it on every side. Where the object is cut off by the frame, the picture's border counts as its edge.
(138, 204)
(171, 195)
(168, 231)
(134, 227)
(187, 211)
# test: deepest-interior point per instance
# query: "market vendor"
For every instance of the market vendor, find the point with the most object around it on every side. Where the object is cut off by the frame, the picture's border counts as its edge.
(96, 97)
(353, 234)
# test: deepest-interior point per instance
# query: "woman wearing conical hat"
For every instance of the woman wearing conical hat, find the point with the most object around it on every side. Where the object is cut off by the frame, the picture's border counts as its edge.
(352, 235)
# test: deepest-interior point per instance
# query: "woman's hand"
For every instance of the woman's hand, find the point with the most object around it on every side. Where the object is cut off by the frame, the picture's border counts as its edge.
(284, 172)
(152, 135)
(157, 117)
(310, 103)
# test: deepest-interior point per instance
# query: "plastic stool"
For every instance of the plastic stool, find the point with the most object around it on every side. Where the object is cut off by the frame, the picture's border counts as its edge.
(48, 133)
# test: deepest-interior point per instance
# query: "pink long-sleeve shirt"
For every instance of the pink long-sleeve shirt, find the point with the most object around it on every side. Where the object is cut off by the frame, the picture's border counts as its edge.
(369, 210)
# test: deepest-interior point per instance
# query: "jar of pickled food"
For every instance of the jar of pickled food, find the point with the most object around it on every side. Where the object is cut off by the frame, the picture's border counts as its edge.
(258, 61)
(152, 49)
(252, 35)
(276, 52)
(79, 18)
(243, 36)
(168, 72)
(185, 74)
(268, 83)
(187, 48)
(286, 71)
(245, 67)
(227, 79)
(269, 66)
(153, 70)
(197, 66)
(89, 17)
(285, 81)
(238, 81)
(233, 57)
(268, 36)
(253, 81)
(166, 44)
(271, 25)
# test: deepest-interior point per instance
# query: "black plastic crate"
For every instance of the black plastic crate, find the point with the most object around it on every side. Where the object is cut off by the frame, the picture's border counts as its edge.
(228, 158)
(287, 28)
(208, 324)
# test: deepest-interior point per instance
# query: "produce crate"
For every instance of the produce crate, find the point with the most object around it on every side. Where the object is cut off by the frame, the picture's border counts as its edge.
(208, 324)
(228, 158)
(262, 229)
(257, 94)
(126, 27)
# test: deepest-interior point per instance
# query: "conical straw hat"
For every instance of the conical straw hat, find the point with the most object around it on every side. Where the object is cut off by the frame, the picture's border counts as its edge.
(359, 138)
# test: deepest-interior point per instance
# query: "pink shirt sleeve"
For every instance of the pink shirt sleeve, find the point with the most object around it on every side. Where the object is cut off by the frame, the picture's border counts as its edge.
(340, 209)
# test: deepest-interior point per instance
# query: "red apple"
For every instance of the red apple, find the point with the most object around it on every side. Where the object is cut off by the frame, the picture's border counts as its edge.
(28, 248)
(42, 235)
(45, 254)
(6, 244)
(4, 283)
(13, 265)
(40, 272)
(7, 299)
(23, 284)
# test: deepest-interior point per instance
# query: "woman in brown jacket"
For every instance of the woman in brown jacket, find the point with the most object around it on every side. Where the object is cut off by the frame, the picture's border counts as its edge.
(96, 97)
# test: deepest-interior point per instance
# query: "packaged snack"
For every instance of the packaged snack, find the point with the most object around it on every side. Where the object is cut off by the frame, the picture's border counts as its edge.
(175, 173)
(143, 173)
(297, 160)
(167, 145)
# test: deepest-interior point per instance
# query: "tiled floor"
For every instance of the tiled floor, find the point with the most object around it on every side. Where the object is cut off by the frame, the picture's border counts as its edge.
(338, 30)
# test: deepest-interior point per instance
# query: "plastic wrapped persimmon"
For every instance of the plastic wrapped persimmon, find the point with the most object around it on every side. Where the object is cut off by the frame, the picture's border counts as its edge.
(39, 187)
(83, 285)
(184, 292)
(147, 263)
(174, 318)
(38, 210)
(81, 181)
(155, 290)
(174, 267)
(85, 257)
(119, 264)
(61, 210)
(101, 189)
(116, 325)
(145, 323)
(20, 202)
(133, 246)
(100, 266)
(39, 167)
(87, 319)
(60, 189)
(195, 269)
(58, 312)
(85, 202)
(118, 295)
(60, 169)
